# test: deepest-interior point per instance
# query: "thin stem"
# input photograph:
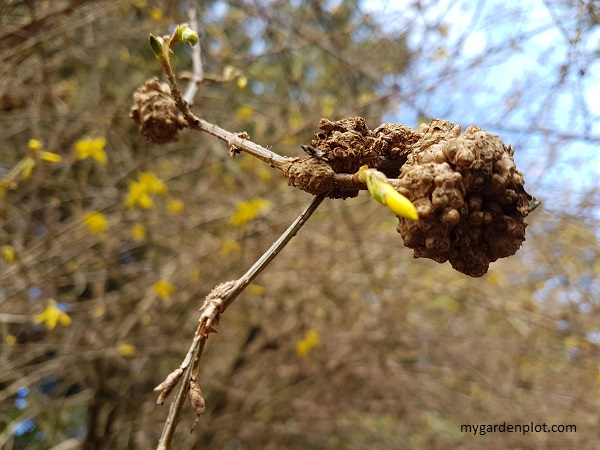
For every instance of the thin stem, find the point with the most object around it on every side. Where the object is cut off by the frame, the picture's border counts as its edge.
(258, 151)
(198, 69)
(273, 251)
(195, 351)
(236, 141)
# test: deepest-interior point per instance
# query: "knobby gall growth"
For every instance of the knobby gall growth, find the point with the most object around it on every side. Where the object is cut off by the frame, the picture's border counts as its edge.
(469, 195)
(156, 113)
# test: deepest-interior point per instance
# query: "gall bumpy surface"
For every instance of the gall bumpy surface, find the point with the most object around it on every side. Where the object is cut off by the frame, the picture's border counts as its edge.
(156, 113)
(469, 195)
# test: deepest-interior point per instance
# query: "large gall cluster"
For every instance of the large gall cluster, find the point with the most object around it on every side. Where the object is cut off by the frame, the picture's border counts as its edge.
(469, 195)
(467, 190)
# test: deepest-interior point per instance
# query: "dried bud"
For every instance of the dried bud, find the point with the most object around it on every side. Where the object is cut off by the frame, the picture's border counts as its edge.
(156, 113)
(167, 386)
(469, 195)
(198, 403)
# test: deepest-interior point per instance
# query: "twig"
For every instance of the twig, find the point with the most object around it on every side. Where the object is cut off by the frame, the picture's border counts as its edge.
(198, 69)
(239, 141)
(211, 310)
(270, 254)
(175, 410)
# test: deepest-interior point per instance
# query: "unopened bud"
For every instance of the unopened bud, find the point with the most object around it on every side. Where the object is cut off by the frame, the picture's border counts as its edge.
(186, 35)
(156, 44)
(189, 37)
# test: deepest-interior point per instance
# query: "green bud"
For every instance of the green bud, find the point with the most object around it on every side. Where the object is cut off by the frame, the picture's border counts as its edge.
(189, 37)
(183, 33)
(156, 44)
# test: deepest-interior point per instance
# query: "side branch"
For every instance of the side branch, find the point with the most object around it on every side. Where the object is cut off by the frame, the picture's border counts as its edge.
(217, 301)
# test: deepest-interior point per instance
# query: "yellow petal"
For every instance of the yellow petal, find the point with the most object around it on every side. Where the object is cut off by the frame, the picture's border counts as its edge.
(256, 289)
(100, 156)
(302, 349)
(312, 338)
(8, 253)
(34, 145)
(399, 204)
(242, 82)
(64, 319)
(126, 349)
(174, 206)
(96, 222)
(28, 165)
(163, 289)
(50, 157)
(138, 232)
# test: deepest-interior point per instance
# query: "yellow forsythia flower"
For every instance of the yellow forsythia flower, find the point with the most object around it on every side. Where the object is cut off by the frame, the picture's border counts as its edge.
(139, 191)
(152, 183)
(50, 157)
(8, 253)
(230, 246)
(244, 113)
(126, 349)
(137, 195)
(10, 339)
(96, 222)
(242, 82)
(156, 14)
(310, 341)
(174, 206)
(52, 315)
(138, 232)
(256, 289)
(91, 148)
(34, 145)
(27, 167)
(247, 211)
(163, 289)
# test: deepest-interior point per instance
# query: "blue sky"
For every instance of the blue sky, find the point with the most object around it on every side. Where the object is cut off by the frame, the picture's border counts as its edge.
(499, 65)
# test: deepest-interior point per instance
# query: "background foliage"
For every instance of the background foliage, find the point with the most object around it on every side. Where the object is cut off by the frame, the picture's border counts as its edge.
(345, 341)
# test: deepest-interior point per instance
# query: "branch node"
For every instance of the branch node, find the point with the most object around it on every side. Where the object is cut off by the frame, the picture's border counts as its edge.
(213, 306)
(233, 149)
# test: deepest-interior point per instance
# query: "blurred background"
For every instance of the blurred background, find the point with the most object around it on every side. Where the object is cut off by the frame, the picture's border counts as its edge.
(108, 244)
